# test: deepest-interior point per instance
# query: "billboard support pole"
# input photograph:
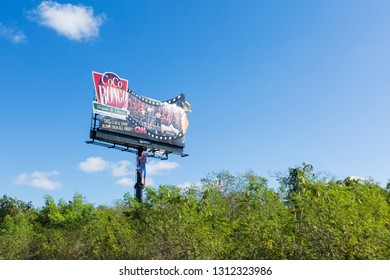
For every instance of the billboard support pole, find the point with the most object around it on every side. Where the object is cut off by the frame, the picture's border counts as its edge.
(138, 184)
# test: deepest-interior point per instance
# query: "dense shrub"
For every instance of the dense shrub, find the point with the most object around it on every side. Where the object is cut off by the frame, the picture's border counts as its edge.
(226, 217)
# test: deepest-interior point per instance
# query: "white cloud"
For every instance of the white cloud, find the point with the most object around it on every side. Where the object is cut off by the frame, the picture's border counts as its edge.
(150, 182)
(124, 169)
(75, 22)
(160, 167)
(121, 168)
(125, 181)
(39, 180)
(94, 164)
(13, 34)
(190, 185)
(97, 164)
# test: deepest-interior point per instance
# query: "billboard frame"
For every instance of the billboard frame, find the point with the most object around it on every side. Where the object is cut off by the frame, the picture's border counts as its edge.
(111, 102)
(114, 102)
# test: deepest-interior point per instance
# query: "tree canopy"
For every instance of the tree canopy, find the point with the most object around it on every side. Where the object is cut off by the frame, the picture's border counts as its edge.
(225, 217)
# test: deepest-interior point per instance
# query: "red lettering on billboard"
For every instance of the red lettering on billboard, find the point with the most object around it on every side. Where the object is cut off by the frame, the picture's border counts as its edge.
(140, 130)
(110, 89)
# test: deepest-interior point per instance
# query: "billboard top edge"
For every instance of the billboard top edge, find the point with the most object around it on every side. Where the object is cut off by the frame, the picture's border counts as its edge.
(170, 101)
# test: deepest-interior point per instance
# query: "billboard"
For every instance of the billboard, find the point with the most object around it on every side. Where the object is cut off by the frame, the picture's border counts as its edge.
(122, 111)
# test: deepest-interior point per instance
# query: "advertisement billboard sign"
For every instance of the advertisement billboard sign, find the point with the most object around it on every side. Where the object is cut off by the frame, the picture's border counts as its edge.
(124, 112)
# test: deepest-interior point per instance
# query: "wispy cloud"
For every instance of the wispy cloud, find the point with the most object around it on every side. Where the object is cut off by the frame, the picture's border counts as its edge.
(190, 185)
(94, 164)
(161, 167)
(97, 164)
(75, 22)
(121, 168)
(125, 182)
(39, 180)
(125, 169)
(15, 35)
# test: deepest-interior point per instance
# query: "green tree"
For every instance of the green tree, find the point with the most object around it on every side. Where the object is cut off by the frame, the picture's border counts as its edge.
(16, 231)
(261, 222)
(226, 217)
(62, 229)
(337, 219)
(16, 237)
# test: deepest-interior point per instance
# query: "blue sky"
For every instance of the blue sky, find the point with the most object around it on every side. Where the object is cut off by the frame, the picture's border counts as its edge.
(272, 84)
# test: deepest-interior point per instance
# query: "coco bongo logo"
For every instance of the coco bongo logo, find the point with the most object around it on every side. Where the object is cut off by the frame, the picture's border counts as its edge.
(110, 89)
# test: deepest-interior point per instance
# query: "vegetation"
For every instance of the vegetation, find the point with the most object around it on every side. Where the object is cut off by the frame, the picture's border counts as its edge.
(226, 217)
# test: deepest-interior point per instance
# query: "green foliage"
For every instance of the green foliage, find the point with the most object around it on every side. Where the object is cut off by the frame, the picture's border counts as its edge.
(62, 230)
(225, 217)
(11, 206)
(15, 237)
(16, 228)
(348, 219)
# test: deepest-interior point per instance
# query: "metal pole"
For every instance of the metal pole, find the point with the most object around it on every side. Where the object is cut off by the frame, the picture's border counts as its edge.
(138, 184)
